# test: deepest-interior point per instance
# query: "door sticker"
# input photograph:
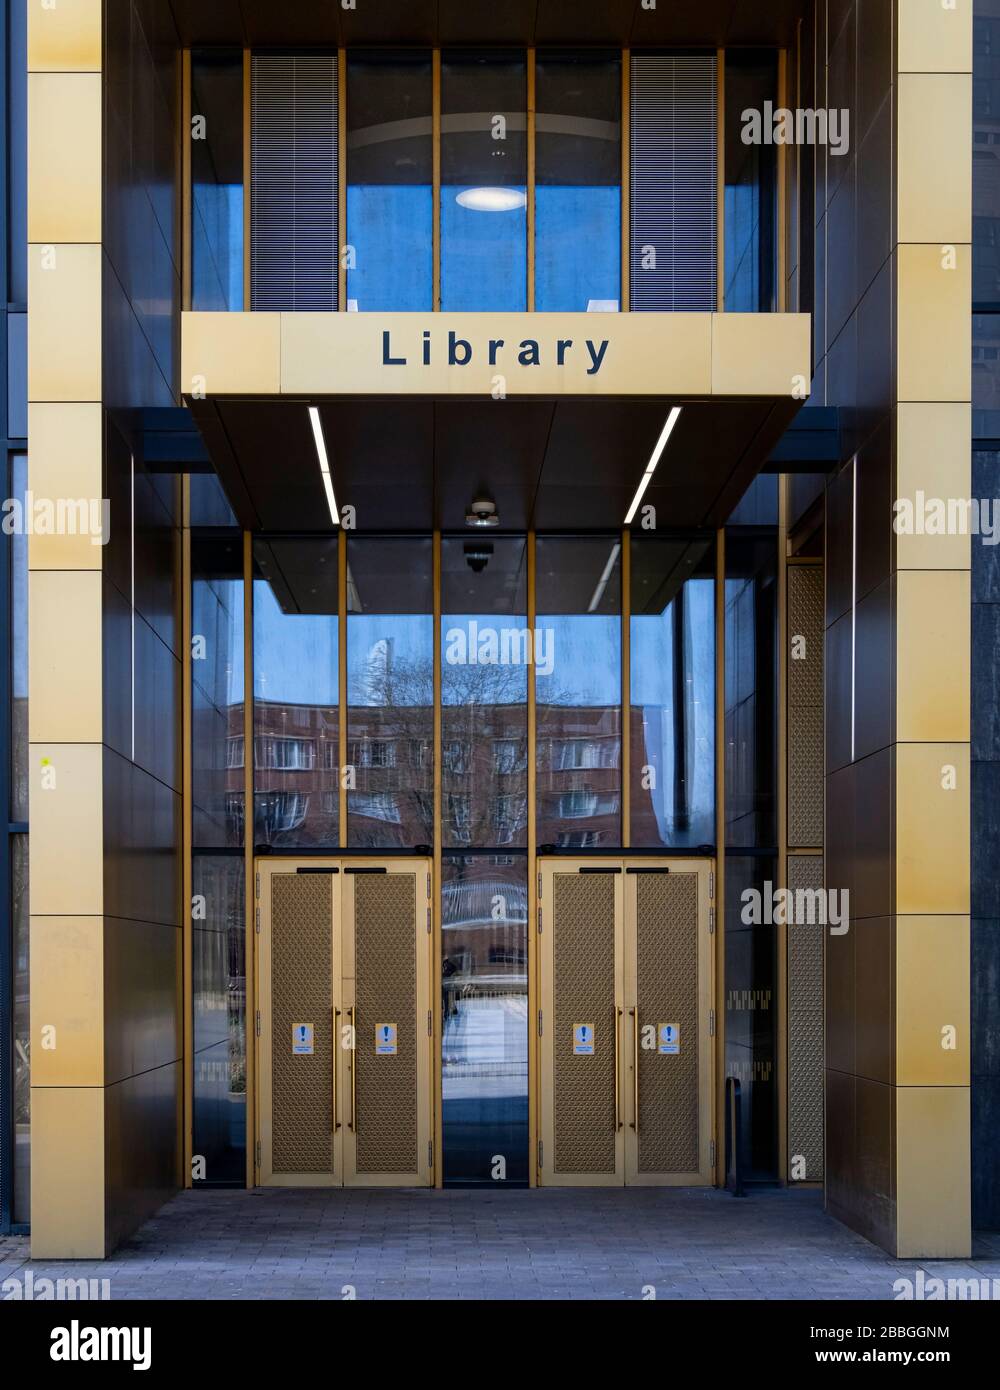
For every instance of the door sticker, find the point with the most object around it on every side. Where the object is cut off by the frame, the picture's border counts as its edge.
(583, 1040)
(669, 1040)
(302, 1040)
(385, 1040)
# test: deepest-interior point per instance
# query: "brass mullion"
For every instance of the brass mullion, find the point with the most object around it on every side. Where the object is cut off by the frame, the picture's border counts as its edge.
(626, 176)
(781, 982)
(341, 178)
(530, 209)
(187, 868)
(247, 180)
(341, 686)
(626, 677)
(720, 181)
(436, 173)
(186, 179)
(250, 964)
(437, 1021)
(720, 854)
(781, 300)
(534, 1053)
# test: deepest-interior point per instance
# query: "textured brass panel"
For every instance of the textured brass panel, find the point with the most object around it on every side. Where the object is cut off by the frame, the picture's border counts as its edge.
(934, 189)
(805, 707)
(301, 992)
(385, 945)
(805, 1025)
(68, 1173)
(64, 155)
(933, 1198)
(933, 655)
(583, 945)
(667, 966)
(65, 655)
(934, 327)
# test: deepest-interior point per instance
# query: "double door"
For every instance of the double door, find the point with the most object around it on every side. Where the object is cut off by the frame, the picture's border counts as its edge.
(626, 1022)
(343, 1019)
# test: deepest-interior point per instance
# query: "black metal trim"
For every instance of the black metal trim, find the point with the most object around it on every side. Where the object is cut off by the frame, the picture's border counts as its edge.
(612, 869)
(357, 869)
(652, 869)
(301, 870)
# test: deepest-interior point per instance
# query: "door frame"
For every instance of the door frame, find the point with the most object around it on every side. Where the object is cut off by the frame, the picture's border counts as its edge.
(342, 993)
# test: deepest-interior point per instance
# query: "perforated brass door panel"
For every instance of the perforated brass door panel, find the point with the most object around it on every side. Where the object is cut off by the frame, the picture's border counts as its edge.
(297, 969)
(581, 959)
(805, 1028)
(805, 707)
(386, 986)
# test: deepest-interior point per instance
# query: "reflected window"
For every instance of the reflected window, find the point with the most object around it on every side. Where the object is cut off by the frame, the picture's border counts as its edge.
(484, 1008)
(578, 691)
(484, 171)
(751, 688)
(296, 694)
(578, 182)
(751, 198)
(217, 688)
(484, 691)
(672, 675)
(390, 693)
(389, 181)
(217, 179)
(751, 985)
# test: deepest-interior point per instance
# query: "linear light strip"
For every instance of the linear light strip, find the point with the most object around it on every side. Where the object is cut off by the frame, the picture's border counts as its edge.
(602, 583)
(324, 463)
(644, 481)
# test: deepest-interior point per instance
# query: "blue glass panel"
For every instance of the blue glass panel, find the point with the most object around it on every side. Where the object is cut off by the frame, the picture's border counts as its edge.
(577, 248)
(483, 255)
(391, 230)
(217, 246)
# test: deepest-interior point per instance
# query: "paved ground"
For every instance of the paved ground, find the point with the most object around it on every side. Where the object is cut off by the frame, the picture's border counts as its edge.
(583, 1243)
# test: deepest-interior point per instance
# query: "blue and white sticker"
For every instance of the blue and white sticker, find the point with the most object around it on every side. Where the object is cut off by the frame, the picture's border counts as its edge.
(583, 1040)
(385, 1040)
(302, 1040)
(669, 1040)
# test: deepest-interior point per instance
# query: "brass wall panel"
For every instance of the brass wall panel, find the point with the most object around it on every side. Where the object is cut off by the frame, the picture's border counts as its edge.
(583, 946)
(933, 456)
(934, 326)
(747, 362)
(67, 860)
(934, 37)
(805, 1025)
(64, 337)
(67, 1173)
(65, 36)
(934, 189)
(64, 154)
(805, 707)
(67, 1001)
(667, 973)
(932, 997)
(301, 992)
(933, 1202)
(65, 655)
(933, 656)
(238, 353)
(385, 945)
(933, 807)
(66, 461)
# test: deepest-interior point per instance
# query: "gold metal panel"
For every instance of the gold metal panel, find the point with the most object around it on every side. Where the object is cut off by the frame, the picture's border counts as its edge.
(225, 353)
(64, 338)
(67, 1001)
(933, 642)
(933, 457)
(933, 183)
(933, 1172)
(667, 991)
(64, 655)
(934, 37)
(64, 157)
(582, 923)
(64, 36)
(932, 1001)
(805, 1026)
(67, 829)
(65, 462)
(934, 327)
(804, 646)
(302, 1123)
(67, 1173)
(751, 359)
(385, 963)
(932, 828)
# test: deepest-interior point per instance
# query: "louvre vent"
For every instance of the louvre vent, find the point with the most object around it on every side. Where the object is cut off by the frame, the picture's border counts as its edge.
(673, 194)
(294, 260)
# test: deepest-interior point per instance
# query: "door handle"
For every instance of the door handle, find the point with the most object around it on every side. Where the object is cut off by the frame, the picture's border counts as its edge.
(336, 1040)
(635, 1068)
(353, 1126)
(618, 1072)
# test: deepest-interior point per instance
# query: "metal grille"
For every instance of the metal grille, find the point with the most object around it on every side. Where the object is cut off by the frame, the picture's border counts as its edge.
(301, 992)
(673, 192)
(294, 253)
(805, 707)
(583, 971)
(667, 960)
(805, 1027)
(385, 943)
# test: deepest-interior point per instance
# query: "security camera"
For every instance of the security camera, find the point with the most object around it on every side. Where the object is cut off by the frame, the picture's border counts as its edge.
(477, 555)
(482, 513)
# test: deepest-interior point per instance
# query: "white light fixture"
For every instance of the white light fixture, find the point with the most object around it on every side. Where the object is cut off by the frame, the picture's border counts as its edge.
(324, 463)
(654, 459)
(491, 199)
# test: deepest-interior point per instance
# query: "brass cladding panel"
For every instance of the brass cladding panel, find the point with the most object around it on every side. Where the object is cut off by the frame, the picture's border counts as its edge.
(805, 1024)
(805, 708)
(583, 970)
(301, 992)
(667, 974)
(385, 946)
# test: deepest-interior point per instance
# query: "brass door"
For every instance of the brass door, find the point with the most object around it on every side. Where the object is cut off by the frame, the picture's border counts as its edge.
(625, 1047)
(344, 1051)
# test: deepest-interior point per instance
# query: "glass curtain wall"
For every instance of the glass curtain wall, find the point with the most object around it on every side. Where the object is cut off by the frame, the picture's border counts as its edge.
(751, 197)
(217, 179)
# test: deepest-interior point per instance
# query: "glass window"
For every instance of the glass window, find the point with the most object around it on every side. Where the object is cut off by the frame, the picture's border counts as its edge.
(21, 1211)
(484, 691)
(217, 179)
(389, 181)
(751, 688)
(390, 692)
(484, 185)
(484, 1006)
(578, 182)
(986, 147)
(17, 154)
(296, 694)
(578, 691)
(672, 661)
(18, 542)
(751, 982)
(216, 688)
(751, 199)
